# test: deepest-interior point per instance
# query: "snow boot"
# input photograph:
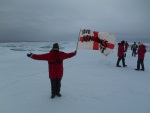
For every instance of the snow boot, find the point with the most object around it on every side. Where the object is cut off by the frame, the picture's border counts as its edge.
(118, 66)
(59, 95)
(124, 65)
(52, 96)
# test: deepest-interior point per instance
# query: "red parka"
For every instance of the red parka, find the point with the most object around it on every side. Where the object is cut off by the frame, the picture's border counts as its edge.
(55, 62)
(126, 45)
(121, 49)
(141, 51)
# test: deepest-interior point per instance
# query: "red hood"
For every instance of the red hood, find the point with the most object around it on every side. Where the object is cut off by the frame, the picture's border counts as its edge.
(142, 46)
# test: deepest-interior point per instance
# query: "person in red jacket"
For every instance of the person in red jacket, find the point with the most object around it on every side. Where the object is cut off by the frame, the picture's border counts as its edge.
(55, 62)
(121, 52)
(126, 47)
(141, 54)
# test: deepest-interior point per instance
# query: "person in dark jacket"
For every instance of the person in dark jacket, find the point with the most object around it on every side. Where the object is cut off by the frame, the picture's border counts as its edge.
(121, 52)
(55, 62)
(134, 48)
(141, 55)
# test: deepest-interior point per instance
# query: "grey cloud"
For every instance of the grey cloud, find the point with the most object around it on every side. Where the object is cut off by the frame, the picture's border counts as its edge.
(46, 20)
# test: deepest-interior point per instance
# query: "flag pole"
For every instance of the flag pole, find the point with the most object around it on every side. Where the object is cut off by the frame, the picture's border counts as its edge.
(78, 40)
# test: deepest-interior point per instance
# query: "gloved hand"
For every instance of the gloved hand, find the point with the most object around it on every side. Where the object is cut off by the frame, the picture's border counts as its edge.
(75, 52)
(29, 54)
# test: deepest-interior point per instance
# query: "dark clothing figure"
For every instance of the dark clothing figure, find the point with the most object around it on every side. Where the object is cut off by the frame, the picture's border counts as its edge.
(121, 52)
(134, 48)
(141, 55)
(55, 63)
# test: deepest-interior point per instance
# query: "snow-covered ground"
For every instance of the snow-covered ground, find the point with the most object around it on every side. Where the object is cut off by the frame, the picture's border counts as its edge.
(91, 84)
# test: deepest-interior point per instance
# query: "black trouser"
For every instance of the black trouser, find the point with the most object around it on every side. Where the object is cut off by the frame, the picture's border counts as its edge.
(55, 86)
(140, 62)
(123, 60)
(134, 52)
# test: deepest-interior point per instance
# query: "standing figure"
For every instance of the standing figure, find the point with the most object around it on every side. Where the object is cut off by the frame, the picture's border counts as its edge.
(121, 51)
(141, 55)
(126, 47)
(134, 49)
(55, 63)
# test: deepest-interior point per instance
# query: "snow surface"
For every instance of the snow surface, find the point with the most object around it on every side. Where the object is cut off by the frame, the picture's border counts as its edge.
(91, 84)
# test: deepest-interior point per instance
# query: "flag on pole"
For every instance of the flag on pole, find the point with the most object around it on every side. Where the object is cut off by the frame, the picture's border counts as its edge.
(93, 40)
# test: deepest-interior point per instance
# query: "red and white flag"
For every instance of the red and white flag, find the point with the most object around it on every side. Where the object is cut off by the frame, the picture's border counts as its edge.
(93, 40)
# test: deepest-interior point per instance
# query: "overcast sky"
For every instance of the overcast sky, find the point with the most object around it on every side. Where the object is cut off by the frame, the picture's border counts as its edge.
(53, 20)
